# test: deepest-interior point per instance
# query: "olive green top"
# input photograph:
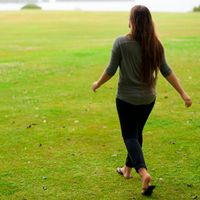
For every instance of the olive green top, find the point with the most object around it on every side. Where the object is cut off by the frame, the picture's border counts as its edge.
(126, 53)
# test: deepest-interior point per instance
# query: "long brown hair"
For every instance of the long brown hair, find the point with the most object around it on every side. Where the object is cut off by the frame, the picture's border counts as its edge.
(142, 30)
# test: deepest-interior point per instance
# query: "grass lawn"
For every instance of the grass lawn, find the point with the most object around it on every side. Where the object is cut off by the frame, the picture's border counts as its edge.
(61, 141)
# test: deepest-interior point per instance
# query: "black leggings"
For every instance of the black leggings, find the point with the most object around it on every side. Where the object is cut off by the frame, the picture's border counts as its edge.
(132, 120)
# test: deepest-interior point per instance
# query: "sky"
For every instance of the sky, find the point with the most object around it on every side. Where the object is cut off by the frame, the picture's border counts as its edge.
(98, 5)
(169, 5)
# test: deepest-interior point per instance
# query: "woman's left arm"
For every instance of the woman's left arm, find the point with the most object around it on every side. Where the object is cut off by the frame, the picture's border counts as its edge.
(112, 67)
(103, 78)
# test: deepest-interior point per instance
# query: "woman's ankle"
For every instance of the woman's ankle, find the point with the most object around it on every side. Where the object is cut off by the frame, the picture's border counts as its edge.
(143, 172)
(127, 169)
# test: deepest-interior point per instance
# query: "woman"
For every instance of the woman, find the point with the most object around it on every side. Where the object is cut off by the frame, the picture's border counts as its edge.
(139, 55)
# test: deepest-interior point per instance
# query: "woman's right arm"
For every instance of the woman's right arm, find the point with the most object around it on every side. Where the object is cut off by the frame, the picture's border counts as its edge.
(172, 79)
(168, 73)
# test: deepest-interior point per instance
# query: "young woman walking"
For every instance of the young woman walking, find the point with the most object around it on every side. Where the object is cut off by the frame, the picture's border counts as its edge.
(139, 56)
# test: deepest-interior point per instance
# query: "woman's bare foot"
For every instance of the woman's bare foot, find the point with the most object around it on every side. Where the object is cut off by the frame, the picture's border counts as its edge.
(125, 171)
(146, 181)
(147, 189)
(146, 178)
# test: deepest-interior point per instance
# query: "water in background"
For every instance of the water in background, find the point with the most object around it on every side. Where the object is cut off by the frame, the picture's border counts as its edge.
(153, 5)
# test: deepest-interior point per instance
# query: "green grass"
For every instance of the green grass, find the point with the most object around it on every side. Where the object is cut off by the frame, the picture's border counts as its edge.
(61, 141)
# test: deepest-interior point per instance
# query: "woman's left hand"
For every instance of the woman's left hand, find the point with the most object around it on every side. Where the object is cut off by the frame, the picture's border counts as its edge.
(95, 85)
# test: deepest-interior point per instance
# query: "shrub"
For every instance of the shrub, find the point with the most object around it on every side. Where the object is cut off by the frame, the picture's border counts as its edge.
(31, 6)
(196, 9)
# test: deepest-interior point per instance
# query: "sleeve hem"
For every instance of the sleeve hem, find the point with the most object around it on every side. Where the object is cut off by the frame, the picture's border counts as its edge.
(167, 73)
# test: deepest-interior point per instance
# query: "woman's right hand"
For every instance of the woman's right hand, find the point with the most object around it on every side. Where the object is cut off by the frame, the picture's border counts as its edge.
(186, 99)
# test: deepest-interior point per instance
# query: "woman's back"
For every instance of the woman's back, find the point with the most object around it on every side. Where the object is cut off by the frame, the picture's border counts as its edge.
(126, 54)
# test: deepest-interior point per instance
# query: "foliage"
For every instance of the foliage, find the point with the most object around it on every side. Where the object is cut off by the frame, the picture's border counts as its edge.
(196, 9)
(31, 6)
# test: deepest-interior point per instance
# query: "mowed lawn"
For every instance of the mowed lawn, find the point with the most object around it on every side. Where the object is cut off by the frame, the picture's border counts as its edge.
(59, 140)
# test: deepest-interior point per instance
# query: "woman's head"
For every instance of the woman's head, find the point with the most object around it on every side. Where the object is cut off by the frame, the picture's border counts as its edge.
(140, 21)
(142, 30)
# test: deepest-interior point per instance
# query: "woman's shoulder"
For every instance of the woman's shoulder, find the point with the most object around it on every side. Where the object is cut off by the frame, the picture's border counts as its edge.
(124, 39)
(121, 38)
